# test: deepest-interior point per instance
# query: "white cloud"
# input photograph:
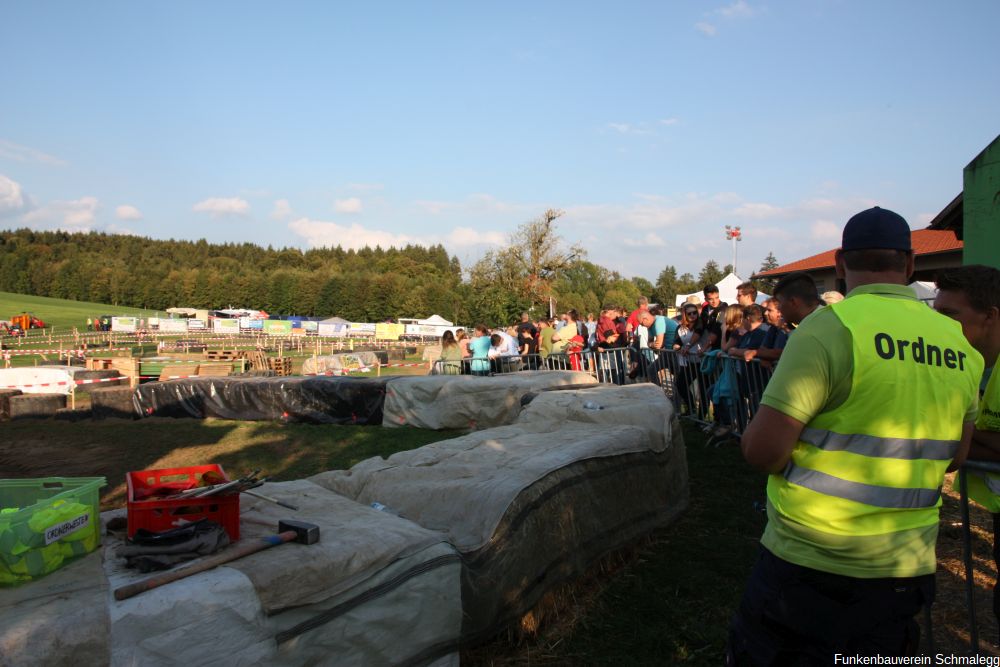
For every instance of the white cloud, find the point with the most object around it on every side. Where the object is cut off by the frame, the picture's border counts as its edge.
(738, 10)
(319, 233)
(349, 205)
(77, 215)
(669, 121)
(464, 237)
(11, 196)
(825, 231)
(706, 28)
(12, 151)
(219, 207)
(117, 229)
(282, 209)
(127, 212)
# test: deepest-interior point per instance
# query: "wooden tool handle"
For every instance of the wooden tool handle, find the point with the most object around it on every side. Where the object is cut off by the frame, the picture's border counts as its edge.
(236, 552)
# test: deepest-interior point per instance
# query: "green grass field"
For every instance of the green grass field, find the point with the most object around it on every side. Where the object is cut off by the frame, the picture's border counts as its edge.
(63, 314)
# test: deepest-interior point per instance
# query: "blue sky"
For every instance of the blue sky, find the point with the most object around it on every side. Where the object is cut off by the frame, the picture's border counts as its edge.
(651, 124)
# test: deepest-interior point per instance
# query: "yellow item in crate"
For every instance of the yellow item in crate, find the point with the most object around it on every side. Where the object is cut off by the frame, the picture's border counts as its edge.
(38, 537)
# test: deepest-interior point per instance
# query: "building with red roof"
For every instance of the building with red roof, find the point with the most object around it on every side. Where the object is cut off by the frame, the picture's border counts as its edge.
(937, 247)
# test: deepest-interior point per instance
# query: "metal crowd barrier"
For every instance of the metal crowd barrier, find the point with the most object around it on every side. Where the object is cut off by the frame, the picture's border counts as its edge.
(703, 388)
(970, 584)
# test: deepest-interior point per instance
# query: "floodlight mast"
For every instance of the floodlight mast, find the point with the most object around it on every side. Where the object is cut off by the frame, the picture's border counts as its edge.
(735, 235)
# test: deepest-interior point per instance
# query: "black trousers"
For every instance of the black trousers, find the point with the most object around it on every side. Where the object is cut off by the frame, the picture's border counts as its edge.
(793, 616)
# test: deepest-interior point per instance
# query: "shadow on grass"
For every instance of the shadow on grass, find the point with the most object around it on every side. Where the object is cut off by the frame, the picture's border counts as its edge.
(112, 448)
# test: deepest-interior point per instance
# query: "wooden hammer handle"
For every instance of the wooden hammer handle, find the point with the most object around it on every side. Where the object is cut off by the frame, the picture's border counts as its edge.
(236, 552)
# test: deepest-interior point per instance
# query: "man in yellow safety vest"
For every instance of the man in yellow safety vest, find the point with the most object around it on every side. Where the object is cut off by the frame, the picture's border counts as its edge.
(971, 296)
(873, 402)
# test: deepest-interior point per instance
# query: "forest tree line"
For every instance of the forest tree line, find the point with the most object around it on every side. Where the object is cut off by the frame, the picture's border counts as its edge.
(365, 285)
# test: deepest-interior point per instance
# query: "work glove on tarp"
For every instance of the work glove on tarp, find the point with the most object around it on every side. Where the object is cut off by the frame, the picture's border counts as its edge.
(148, 551)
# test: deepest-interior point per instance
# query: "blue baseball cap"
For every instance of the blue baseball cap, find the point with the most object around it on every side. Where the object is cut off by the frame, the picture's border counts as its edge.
(876, 228)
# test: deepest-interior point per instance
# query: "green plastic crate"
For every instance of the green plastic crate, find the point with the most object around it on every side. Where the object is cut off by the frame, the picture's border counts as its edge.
(45, 523)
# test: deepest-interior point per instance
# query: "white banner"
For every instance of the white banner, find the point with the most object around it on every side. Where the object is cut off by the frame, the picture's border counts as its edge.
(124, 323)
(173, 325)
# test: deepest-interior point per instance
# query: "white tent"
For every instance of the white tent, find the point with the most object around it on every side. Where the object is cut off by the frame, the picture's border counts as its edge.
(926, 291)
(335, 320)
(727, 291)
(436, 320)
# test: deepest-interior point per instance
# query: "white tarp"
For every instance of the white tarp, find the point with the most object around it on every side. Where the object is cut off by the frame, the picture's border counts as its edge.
(528, 505)
(466, 402)
(643, 405)
(39, 379)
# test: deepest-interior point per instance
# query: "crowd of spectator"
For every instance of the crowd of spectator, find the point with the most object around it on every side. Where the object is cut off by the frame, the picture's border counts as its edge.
(685, 352)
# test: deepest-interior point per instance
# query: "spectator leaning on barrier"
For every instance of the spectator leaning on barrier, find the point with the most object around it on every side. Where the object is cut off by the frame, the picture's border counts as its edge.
(746, 294)
(856, 465)
(545, 336)
(463, 343)
(480, 348)
(796, 297)
(971, 295)
(774, 340)
(451, 354)
(708, 330)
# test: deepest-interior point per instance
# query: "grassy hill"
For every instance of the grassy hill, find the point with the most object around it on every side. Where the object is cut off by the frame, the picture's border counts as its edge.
(63, 313)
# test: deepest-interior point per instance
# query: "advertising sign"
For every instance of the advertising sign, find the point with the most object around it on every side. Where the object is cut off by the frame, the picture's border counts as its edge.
(278, 327)
(310, 326)
(222, 325)
(196, 325)
(173, 326)
(124, 323)
(332, 329)
(386, 331)
(361, 329)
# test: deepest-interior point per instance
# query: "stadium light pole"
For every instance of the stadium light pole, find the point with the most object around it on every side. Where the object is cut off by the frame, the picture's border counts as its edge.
(735, 235)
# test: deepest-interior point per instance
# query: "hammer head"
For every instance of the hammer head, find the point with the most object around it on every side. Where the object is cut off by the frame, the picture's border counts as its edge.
(305, 533)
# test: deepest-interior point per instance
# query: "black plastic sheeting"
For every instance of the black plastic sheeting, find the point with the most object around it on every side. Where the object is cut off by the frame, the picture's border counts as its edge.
(316, 400)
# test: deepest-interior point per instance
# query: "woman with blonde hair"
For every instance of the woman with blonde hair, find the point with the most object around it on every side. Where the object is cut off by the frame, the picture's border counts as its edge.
(451, 355)
(463, 342)
(732, 327)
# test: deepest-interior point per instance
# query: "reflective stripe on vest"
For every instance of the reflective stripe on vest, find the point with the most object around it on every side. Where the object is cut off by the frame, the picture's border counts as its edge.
(885, 448)
(869, 494)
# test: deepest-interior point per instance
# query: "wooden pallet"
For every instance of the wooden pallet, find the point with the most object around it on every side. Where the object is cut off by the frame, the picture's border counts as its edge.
(281, 366)
(257, 360)
(221, 355)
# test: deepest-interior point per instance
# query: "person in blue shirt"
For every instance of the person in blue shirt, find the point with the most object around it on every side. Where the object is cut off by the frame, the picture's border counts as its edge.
(480, 348)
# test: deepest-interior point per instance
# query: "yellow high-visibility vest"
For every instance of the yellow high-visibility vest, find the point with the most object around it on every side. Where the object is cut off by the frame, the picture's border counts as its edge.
(984, 488)
(861, 493)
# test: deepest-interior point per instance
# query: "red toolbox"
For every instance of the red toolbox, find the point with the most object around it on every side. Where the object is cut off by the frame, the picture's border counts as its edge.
(159, 514)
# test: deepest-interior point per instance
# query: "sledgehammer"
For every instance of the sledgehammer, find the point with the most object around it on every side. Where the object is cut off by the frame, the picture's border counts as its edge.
(288, 531)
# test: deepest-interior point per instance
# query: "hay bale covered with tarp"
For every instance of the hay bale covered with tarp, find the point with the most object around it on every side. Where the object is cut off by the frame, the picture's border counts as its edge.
(467, 402)
(317, 400)
(528, 505)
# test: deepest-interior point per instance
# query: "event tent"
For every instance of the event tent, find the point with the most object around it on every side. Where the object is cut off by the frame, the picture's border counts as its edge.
(926, 291)
(727, 291)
